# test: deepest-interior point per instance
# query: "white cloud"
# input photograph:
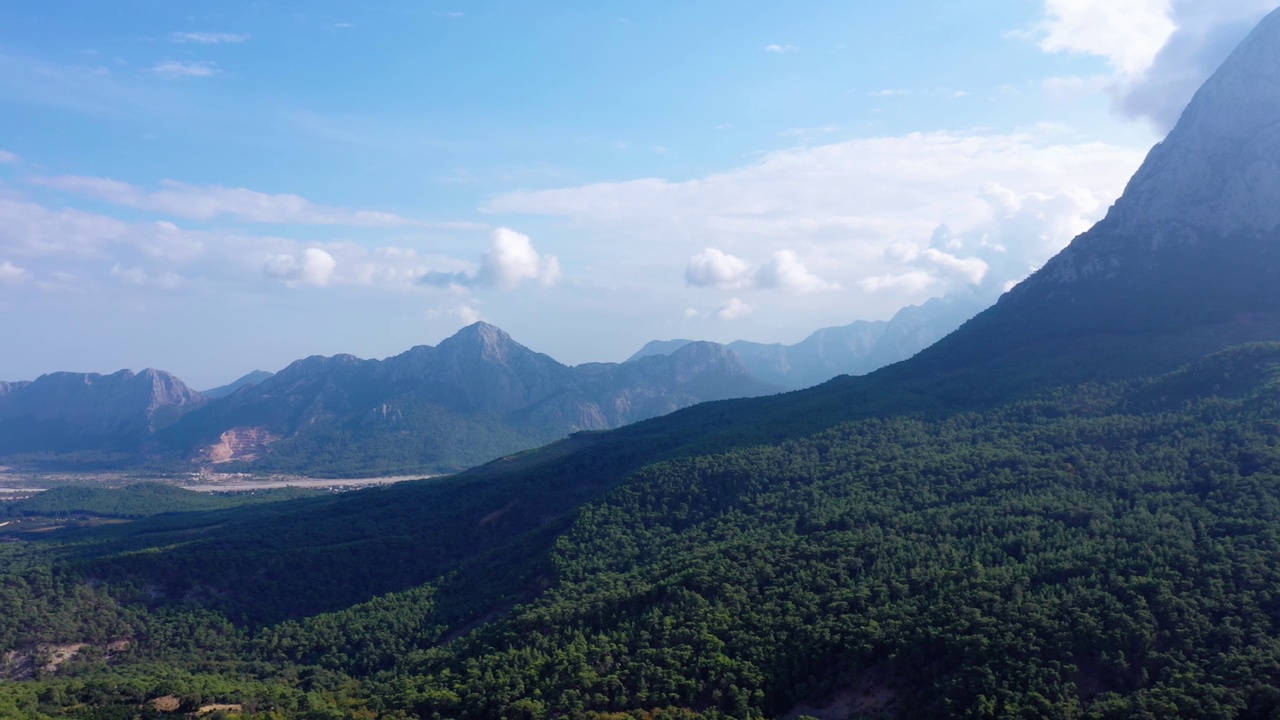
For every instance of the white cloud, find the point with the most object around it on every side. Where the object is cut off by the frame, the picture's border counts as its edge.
(174, 69)
(313, 267)
(1128, 33)
(971, 270)
(8, 157)
(27, 229)
(511, 259)
(717, 269)
(909, 283)
(1160, 51)
(807, 134)
(195, 202)
(467, 314)
(713, 268)
(843, 207)
(75, 244)
(775, 48)
(785, 272)
(207, 38)
(11, 274)
(733, 310)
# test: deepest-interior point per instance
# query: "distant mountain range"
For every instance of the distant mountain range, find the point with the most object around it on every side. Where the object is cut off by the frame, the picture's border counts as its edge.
(476, 396)
(855, 349)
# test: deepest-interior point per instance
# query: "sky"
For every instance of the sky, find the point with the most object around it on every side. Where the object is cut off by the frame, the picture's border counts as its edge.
(212, 188)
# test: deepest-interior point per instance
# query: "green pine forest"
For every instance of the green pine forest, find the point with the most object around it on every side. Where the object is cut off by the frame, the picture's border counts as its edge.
(1099, 550)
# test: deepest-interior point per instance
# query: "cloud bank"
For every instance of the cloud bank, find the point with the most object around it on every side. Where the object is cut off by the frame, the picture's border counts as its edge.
(861, 215)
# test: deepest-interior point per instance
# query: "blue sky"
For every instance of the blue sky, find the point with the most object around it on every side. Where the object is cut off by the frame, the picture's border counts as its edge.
(212, 188)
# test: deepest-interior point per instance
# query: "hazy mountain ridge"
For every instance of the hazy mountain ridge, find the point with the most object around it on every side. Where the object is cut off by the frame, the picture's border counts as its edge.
(249, 379)
(475, 396)
(68, 412)
(855, 349)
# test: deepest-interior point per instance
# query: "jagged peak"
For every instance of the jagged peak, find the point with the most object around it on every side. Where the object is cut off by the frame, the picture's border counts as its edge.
(484, 340)
(483, 331)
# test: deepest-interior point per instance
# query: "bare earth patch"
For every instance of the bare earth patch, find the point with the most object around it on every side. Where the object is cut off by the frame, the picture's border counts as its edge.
(206, 709)
(166, 703)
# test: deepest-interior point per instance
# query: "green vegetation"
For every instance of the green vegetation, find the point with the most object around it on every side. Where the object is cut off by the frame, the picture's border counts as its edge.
(1106, 551)
(139, 500)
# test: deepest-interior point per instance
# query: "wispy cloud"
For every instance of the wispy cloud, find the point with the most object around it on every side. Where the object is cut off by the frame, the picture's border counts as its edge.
(806, 134)
(174, 69)
(733, 310)
(207, 38)
(8, 157)
(196, 202)
(510, 260)
(11, 274)
(775, 48)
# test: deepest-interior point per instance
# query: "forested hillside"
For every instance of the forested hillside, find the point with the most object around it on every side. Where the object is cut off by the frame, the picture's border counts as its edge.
(1102, 551)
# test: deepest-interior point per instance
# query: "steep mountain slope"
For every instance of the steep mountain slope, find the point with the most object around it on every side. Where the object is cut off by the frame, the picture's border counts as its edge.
(476, 396)
(854, 349)
(1191, 249)
(70, 412)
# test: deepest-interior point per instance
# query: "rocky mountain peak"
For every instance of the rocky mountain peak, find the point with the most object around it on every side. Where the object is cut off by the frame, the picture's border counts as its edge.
(1219, 168)
(1190, 253)
(1216, 176)
(480, 340)
(165, 389)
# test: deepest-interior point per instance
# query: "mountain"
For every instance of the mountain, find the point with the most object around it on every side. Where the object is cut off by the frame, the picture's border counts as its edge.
(253, 378)
(1068, 508)
(75, 412)
(1188, 259)
(476, 396)
(854, 349)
